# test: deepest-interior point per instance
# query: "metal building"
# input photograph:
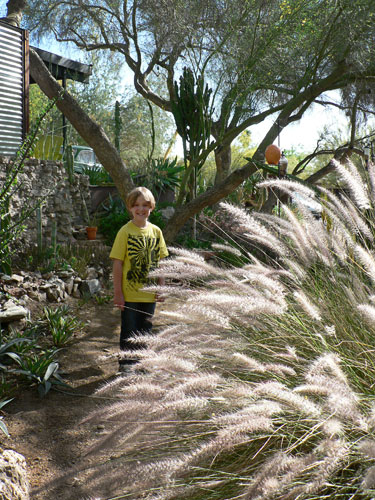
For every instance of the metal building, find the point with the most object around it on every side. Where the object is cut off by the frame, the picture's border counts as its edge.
(15, 80)
(14, 87)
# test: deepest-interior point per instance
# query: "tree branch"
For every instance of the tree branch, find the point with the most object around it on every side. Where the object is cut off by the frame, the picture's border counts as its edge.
(90, 131)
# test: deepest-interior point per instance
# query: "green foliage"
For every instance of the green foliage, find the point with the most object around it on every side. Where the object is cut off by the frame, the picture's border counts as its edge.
(9, 351)
(248, 195)
(41, 257)
(41, 369)
(157, 218)
(102, 299)
(187, 241)
(114, 217)
(80, 257)
(97, 175)
(192, 112)
(48, 147)
(72, 258)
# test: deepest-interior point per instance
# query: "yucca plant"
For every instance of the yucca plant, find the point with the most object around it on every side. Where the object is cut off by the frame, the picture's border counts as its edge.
(260, 386)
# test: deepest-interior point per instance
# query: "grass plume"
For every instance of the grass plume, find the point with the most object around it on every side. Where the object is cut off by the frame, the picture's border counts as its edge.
(261, 386)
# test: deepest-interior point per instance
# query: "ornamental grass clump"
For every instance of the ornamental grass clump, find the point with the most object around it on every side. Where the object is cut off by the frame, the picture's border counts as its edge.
(262, 384)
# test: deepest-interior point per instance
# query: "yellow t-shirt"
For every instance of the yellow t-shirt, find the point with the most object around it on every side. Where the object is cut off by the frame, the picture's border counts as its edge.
(140, 250)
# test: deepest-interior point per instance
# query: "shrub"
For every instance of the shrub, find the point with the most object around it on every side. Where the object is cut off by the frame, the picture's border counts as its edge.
(97, 175)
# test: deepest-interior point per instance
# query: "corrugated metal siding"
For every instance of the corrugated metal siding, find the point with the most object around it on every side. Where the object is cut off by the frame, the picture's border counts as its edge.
(11, 89)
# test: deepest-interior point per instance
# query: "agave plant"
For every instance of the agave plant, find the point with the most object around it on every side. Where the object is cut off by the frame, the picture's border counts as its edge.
(3, 427)
(165, 174)
(41, 368)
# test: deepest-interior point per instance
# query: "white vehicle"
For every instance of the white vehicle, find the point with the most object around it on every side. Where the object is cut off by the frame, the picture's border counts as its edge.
(312, 205)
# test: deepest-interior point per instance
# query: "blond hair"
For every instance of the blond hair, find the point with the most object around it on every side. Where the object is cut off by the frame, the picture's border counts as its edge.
(140, 191)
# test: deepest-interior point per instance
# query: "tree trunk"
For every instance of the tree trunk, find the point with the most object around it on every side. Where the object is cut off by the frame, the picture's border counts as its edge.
(90, 131)
(15, 10)
(223, 160)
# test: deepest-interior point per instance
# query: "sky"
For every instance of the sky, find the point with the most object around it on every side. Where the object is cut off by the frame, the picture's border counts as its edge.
(303, 135)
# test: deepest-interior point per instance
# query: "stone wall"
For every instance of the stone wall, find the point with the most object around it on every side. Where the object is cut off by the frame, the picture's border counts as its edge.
(62, 201)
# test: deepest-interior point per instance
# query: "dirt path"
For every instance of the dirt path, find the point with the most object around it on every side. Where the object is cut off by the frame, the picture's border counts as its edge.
(49, 432)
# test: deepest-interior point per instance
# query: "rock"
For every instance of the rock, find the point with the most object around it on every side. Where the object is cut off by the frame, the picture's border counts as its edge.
(33, 294)
(5, 278)
(13, 476)
(16, 291)
(64, 275)
(90, 287)
(17, 278)
(69, 284)
(12, 312)
(48, 275)
(167, 212)
(91, 273)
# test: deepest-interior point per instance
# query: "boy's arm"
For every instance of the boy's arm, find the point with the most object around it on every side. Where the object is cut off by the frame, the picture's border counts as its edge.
(160, 298)
(118, 296)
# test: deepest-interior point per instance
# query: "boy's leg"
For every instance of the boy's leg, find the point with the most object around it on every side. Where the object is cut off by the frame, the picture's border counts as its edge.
(135, 318)
(146, 313)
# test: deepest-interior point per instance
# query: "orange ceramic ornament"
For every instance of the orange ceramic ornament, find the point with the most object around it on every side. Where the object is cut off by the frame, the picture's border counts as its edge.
(273, 154)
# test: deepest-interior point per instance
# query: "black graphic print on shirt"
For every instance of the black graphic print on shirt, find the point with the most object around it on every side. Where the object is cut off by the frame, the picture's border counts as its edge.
(144, 254)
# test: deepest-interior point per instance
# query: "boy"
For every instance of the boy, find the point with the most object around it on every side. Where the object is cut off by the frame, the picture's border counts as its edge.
(138, 247)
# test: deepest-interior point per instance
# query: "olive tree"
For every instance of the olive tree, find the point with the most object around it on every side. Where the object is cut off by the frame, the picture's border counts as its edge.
(261, 58)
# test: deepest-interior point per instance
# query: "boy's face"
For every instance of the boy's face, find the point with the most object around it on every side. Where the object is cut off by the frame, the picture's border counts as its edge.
(140, 211)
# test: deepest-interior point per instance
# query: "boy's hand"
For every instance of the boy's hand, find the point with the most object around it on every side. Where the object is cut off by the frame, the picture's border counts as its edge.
(159, 298)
